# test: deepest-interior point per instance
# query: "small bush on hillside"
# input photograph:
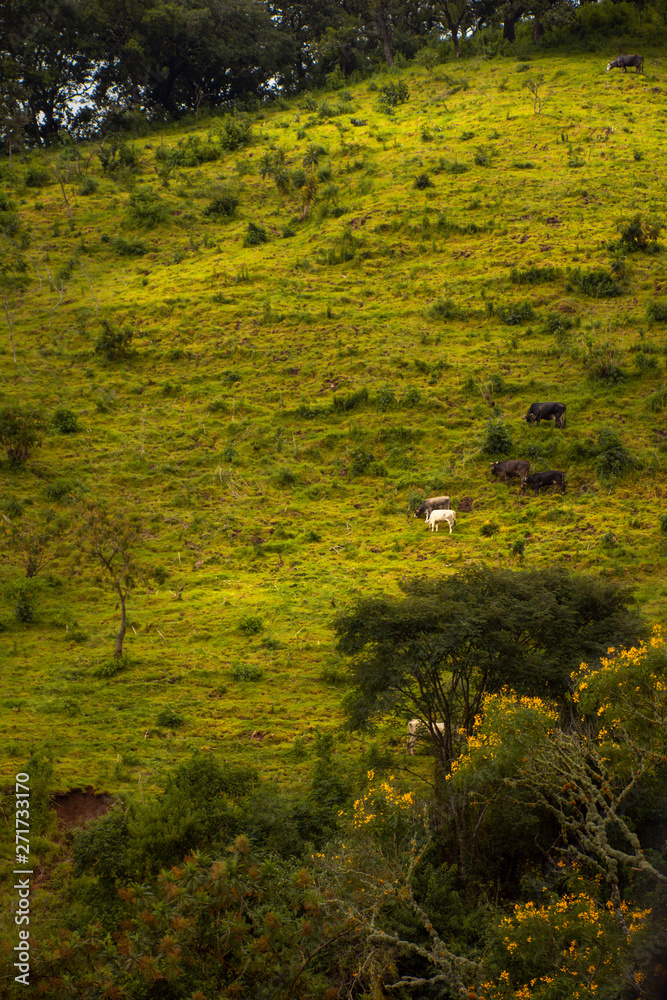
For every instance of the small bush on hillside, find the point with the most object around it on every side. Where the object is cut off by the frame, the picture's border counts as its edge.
(663, 524)
(25, 605)
(423, 181)
(60, 490)
(38, 177)
(88, 186)
(657, 401)
(113, 343)
(9, 217)
(411, 396)
(445, 309)
(640, 233)
(515, 313)
(169, 718)
(351, 401)
(386, 397)
(534, 275)
(597, 283)
(254, 235)
(393, 94)
(657, 311)
(147, 209)
(64, 421)
(613, 458)
(224, 204)
(497, 439)
(250, 624)
(645, 364)
(489, 528)
(235, 131)
(360, 461)
(21, 431)
(483, 156)
(119, 153)
(246, 672)
(345, 249)
(558, 325)
(128, 248)
(285, 477)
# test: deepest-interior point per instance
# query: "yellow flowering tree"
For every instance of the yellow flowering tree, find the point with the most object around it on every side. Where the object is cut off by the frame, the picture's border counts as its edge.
(370, 877)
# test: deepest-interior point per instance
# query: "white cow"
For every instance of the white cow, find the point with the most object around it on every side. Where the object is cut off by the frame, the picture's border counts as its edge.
(436, 516)
(413, 726)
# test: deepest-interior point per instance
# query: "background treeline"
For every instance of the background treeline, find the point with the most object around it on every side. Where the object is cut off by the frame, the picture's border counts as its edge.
(86, 65)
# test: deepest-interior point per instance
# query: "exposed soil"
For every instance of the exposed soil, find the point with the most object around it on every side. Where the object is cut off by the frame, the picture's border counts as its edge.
(78, 806)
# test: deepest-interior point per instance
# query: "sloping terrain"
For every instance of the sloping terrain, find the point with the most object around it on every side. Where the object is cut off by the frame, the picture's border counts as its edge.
(338, 305)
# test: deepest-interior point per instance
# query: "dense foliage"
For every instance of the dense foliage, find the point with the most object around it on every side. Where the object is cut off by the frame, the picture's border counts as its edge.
(170, 60)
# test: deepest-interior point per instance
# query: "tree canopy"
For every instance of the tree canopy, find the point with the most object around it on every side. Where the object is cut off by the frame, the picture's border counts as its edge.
(434, 653)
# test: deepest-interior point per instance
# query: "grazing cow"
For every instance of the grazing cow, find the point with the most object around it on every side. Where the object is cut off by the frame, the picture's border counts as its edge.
(547, 411)
(540, 479)
(416, 724)
(506, 470)
(622, 62)
(433, 503)
(436, 516)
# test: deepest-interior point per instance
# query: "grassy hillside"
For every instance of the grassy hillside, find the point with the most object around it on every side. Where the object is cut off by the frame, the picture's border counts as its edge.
(431, 245)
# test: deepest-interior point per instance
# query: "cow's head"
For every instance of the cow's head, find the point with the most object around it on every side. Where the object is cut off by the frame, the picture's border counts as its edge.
(530, 417)
(608, 67)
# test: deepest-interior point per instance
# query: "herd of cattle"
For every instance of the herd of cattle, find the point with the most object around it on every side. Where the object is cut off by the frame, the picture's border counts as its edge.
(438, 509)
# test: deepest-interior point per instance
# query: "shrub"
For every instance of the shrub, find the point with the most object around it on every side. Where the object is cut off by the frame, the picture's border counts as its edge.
(597, 283)
(224, 204)
(235, 131)
(657, 401)
(169, 718)
(663, 524)
(147, 209)
(497, 439)
(254, 235)
(483, 156)
(640, 233)
(558, 325)
(37, 177)
(113, 343)
(88, 186)
(657, 311)
(613, 458)
(9, 218)
(128, 248)
(411, 396)
(351, 401)
(392, 94)
(25, 610)
(64, 421)
(444, 309)
(21, 431)
(360, 461)
(489, 528)
(385, 398)
(533, 275)
(423, 181)
(60, 489)
(285, 477)
(245, 672)
(250, 624)
(515, 313)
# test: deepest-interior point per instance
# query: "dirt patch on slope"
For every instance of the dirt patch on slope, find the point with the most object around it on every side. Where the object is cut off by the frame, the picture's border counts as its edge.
(78, 806)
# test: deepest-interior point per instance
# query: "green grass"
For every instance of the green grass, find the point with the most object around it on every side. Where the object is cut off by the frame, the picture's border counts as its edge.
(263, 499)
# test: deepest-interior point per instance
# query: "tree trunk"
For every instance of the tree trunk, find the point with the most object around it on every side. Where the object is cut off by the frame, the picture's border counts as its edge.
(118, 651)
(457, 44)
(508, 29)
(538, 29)
(381, 22)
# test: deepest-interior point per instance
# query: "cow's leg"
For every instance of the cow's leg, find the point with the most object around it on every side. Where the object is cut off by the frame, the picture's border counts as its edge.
(450, 527)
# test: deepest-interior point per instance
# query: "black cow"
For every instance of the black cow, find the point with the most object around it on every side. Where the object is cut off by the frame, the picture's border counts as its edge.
(625, 61)
(540, 479)
(547, 411)
(509, 469)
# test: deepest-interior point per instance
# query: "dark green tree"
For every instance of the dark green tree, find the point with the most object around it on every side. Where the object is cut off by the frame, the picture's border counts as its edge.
(434, 653)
